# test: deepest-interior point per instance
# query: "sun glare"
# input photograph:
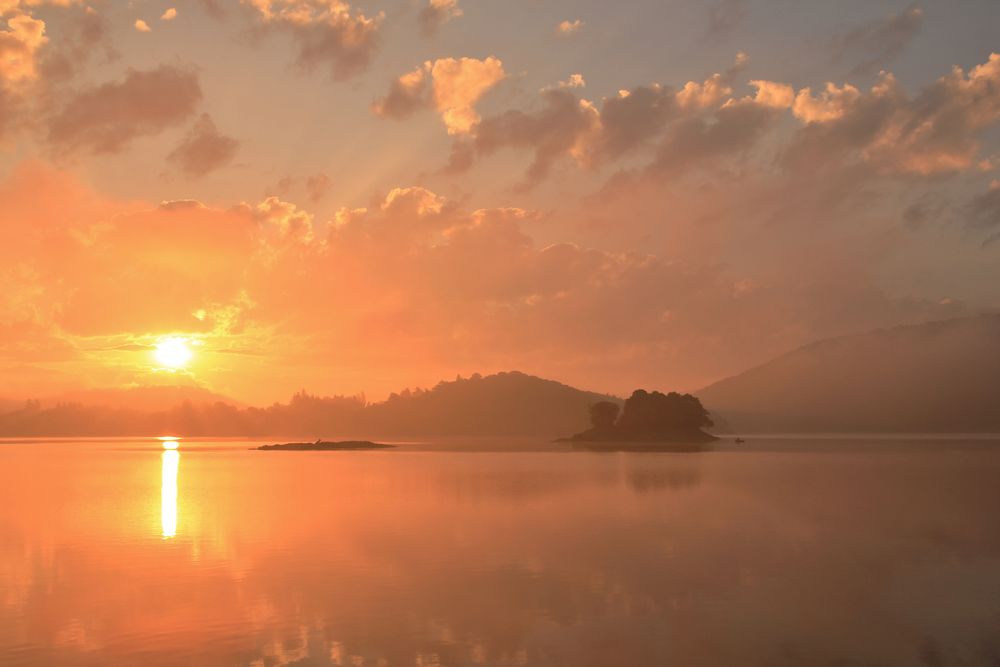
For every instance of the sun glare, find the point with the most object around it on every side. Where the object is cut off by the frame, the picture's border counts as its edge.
(173, 353)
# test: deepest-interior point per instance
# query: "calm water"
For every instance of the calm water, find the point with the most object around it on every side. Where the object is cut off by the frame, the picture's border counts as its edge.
(790, 552)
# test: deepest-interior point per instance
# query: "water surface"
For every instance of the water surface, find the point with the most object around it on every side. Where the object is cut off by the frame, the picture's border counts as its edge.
(785, 552)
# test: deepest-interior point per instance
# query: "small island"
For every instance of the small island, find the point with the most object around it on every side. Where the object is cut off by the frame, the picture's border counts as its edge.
(326, 446)
(650, 421)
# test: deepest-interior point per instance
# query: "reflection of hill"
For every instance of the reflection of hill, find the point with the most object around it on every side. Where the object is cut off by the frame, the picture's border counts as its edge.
(934, 377)
(505, 404)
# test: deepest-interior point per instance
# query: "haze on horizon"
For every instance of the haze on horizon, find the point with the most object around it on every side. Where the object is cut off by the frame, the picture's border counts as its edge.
(267, 195)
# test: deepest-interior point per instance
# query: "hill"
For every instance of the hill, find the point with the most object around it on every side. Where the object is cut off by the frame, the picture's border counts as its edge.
(511, 403)
(143, 399)
(938, 377)
(495, 405)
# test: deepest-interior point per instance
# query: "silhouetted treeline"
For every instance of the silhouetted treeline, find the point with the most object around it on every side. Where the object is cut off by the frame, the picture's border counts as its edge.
(502, 404)
(648, 416)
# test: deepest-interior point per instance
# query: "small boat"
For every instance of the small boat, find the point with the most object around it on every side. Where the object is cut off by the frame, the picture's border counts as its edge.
(740, 441)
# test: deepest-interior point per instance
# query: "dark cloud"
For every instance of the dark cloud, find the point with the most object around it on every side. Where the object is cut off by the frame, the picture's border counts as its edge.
(203, 149)
(724, 16)
(436, 13)
(879, 42)
(328, 34)
(317, 186)
(550, 132)
(107, 117)
(983, 213)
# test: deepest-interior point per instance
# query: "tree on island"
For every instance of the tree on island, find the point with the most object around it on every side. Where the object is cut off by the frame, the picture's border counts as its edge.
(603, 415)
(649, 417)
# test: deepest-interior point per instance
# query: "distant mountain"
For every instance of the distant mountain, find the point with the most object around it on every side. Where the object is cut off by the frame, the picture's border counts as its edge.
(496, 405)
(144, 399)
(938, 377)
(503, 404)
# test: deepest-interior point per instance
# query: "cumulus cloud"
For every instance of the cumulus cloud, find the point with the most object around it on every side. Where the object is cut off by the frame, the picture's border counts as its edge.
(880, 41)
(327, 32)
(570, 127)
(560, 128)
(204, 149)
(452, 86)
(107, 117)
(414, 285)
(730, 130)
(19, 45)
(567, 27)
(142, 26)
(436, 13)
(169, 15)
(574, 81)
(938, 131)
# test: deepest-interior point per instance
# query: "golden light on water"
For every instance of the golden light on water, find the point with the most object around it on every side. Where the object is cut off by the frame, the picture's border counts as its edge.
(171, 459)
(169, 441)
(173, 353)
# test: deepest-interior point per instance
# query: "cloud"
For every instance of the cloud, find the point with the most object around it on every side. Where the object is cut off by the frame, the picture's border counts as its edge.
(82, 36)
(725, 16)
(204, 149)
(142, 26)
(106, 118)
(567, 126)
(567, 27)
(983, 213)
(169, 15)
(19, 44)
(730, 130)
(412, 286)
(936, 132)
(452, 86)
(560, 128)
(327, 32)
(317, 186)
(436, 13)
(880, 41)
(574, 81)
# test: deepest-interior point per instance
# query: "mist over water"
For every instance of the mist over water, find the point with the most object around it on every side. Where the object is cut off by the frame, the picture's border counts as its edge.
(786, 552)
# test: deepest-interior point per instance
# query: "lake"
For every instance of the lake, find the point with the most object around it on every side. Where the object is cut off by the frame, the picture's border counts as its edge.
(791, 551)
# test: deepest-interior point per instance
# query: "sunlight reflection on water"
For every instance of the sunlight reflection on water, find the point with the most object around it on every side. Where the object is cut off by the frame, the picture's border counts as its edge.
(792, 557)
(168, 491)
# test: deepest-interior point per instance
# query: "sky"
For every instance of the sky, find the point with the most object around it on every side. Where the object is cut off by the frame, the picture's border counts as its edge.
(349, 197)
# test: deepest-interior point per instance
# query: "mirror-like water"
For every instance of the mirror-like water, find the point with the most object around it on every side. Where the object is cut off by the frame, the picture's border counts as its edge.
(791, 552)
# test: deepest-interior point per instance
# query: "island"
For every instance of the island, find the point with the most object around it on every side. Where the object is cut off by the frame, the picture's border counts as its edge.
(650, 421)
(326, 446)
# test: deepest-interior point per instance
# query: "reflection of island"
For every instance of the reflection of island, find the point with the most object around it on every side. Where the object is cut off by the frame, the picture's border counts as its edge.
(320, 445)
(649, 422)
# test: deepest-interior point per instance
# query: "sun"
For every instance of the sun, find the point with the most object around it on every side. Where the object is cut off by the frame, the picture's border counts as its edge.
(173, 353)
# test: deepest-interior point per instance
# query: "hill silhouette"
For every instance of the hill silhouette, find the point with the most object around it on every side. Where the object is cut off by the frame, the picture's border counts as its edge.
(510, 403)
(502, 404)
(144, 398)
(938, 377)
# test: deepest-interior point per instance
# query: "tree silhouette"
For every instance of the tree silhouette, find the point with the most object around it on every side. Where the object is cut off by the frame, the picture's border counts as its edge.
(649, 417)
(603, 415)
(651, 413)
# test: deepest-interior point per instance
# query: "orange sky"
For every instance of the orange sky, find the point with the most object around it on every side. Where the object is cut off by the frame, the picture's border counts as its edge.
(362, 198)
